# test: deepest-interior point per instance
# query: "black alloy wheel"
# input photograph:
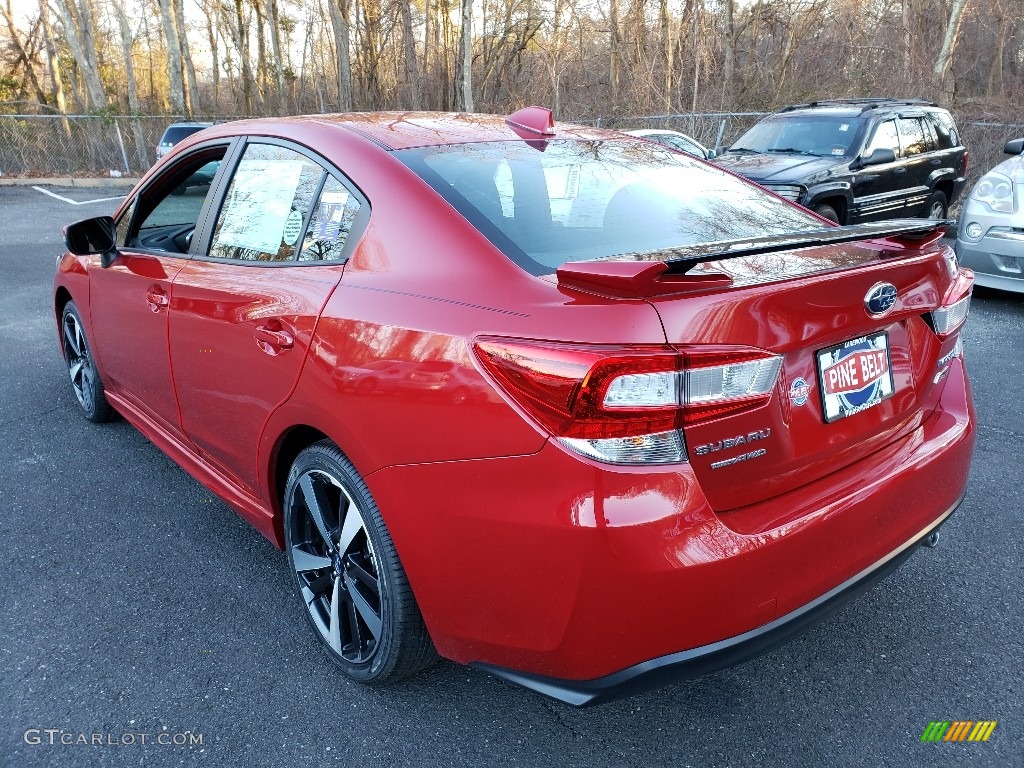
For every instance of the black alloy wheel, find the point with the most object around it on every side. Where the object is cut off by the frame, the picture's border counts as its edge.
(936, 207)
(85, 379)
(352, 585)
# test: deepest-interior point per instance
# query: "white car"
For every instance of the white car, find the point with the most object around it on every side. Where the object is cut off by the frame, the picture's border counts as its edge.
(990, 236)
(675, 140)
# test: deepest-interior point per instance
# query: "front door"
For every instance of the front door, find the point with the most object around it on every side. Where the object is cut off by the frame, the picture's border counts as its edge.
(129, 299)
(879, 190)
(243, 313)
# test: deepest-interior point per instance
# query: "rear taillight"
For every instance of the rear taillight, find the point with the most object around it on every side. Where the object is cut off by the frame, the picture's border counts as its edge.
(956, 305)
(945, 320)
(627, 405)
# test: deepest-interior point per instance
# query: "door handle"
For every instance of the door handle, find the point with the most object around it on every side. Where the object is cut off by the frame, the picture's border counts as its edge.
(157, 299)
(936, 161)
(899, 170)
(271, 341)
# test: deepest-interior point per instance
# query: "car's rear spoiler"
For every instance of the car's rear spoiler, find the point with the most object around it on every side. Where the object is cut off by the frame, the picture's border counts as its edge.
(653, 273)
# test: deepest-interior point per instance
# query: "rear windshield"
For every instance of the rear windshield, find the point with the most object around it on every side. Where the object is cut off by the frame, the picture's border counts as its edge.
(547, 203)
(810, 135)
(176, 133)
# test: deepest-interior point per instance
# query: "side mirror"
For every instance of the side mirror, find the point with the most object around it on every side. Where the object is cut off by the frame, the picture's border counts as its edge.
(879, 156)
(1014, 147)
(92, 236)
(712, 154)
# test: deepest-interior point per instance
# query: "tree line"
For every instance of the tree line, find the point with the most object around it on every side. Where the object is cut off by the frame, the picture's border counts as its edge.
(584, 58)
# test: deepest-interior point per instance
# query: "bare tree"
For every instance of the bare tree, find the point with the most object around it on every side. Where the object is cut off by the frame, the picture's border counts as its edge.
(341, 25)
(412, 75)
(945, 56)
(177, 85)
(466, 57)
(78, 31)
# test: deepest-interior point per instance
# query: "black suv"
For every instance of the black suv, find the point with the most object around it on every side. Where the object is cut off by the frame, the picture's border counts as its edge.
(854, 160)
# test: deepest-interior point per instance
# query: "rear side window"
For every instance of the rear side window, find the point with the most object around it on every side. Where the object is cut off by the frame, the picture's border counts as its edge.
(266, 207)
(333, 217)
(585, 200)
(914, 138)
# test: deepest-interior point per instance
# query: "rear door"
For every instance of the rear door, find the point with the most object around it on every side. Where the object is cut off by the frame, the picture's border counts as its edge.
(244, 310)
(918, 147)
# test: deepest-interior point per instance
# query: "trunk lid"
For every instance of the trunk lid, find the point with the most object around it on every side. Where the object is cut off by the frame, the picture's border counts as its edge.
(810, 306)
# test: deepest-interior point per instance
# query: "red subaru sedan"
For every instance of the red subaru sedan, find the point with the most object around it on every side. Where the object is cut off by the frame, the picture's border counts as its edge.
(555, 402)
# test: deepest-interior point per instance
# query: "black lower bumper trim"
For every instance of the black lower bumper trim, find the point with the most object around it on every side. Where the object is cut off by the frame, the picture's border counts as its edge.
(724, 653)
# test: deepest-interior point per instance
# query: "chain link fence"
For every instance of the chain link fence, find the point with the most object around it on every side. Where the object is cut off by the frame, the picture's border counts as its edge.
(86, 145)
(79, 145)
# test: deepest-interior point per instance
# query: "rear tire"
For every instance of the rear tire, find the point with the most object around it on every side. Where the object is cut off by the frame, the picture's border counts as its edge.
(353, 589)
(85, 379)
(827, 211)
(936, 207)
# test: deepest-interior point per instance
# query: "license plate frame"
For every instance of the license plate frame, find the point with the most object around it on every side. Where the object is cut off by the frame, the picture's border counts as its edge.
(854, 375)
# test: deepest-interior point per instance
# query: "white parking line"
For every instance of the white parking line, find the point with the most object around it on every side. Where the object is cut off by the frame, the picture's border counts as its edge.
(76, 202)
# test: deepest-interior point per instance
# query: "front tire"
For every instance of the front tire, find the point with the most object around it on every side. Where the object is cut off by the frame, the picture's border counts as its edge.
(827, 212)
(353, 589)
(85, 379)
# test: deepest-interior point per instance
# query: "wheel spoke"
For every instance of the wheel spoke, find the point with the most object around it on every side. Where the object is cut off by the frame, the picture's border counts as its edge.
(353, 524)
(334, 635)
(358, 572)
(307, 561)
(355, 628)
(373, 622)
(75, 369)
(308, 596)
(316, 503)
(70, 336)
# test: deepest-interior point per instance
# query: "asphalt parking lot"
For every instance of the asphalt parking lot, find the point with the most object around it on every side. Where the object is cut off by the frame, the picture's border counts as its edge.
(133, 602)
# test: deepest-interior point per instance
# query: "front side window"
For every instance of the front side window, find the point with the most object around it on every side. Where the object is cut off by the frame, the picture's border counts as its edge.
(885, 138)
(585, 200)
(266, 206)
(165, 214)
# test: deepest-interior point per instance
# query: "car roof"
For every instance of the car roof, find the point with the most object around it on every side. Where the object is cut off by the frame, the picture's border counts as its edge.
(405, 130)
(858, 107)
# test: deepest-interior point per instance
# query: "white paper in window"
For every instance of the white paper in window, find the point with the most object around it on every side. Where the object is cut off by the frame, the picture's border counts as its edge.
(260, 200)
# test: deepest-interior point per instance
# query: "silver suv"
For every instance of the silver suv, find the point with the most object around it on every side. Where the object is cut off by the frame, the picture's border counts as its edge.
(990, 236)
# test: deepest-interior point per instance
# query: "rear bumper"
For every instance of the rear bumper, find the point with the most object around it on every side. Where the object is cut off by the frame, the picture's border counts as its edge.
(572, 577)
(715, 656)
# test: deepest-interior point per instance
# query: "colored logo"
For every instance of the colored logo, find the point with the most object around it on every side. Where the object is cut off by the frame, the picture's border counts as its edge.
(880, 299)
(856, 374)
(959, 730)
(799, 391)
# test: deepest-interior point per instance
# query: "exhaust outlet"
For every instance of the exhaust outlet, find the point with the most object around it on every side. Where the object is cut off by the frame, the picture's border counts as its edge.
(931, 540)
